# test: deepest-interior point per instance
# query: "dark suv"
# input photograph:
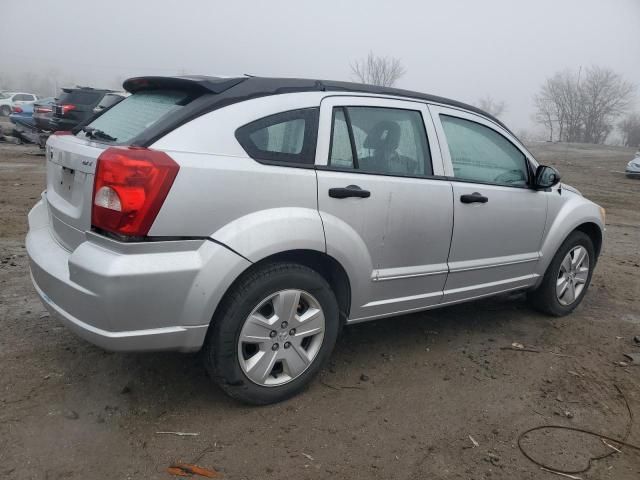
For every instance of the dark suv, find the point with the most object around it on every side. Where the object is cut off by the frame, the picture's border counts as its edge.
(74, 106)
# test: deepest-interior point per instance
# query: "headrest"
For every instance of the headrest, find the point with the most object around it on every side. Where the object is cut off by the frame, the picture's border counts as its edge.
(384, 135)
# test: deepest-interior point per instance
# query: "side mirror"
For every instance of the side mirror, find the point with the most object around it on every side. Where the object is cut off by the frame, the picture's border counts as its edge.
(546, 177)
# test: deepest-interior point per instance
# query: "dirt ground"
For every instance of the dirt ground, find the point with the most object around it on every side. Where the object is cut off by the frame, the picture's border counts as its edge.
(402, 399)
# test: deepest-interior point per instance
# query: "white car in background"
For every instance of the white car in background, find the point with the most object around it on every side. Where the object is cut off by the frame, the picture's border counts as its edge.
(11, 99)
(633, 167)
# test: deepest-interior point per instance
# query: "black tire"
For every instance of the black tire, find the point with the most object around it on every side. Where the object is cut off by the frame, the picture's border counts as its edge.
(220, 351)
(5, 110)
(544, 298)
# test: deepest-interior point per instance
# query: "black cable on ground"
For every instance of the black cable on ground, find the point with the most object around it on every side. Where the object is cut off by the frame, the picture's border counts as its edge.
(622, 442)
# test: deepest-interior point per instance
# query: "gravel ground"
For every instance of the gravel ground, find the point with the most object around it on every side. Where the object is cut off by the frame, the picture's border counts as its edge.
(402, 398)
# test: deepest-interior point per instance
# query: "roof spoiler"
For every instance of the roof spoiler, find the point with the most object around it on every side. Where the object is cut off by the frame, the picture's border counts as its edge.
(190, 83)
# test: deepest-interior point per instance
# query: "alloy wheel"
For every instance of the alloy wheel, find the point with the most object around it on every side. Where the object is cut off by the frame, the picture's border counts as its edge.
(281, 337)
(573, 275)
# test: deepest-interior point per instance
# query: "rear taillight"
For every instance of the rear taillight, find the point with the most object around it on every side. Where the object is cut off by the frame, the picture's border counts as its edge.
(67, 108)
(129, 188)
(16, 109)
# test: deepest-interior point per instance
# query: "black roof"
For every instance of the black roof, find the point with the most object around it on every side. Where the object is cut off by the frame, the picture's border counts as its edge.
(221, 92)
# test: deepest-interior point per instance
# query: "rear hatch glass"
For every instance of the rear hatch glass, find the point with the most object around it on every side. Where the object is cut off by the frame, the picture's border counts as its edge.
(138, 112)
(79, 97)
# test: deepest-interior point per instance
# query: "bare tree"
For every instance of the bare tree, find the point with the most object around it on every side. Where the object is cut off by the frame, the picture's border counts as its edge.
(630, 129)
(5, 81)
(583, 107)
(375, 70)
(605, 96)
(546, 113)
(492, 107)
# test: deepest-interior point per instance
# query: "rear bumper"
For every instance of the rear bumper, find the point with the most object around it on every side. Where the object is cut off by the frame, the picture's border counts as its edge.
(130, 297)
(57, 123)
(42, 123)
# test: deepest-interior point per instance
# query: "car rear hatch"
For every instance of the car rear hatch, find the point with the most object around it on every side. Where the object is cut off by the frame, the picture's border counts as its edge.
(75, 105)
(157, 104)
(71, 164)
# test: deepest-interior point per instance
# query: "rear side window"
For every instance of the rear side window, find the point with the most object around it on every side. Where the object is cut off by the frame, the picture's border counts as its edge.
(480, 154)
(79, 97)
(287, 137)
(138, 112)
(109, 100)
(389, 141)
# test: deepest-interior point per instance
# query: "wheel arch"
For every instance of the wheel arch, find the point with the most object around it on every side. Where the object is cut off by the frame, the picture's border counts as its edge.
(589, 226)
(594, 232)
(328, 267)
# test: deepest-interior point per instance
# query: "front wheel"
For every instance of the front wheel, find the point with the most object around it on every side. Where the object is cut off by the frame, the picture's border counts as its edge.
(272, 333)
(567, 278)
(5, 110)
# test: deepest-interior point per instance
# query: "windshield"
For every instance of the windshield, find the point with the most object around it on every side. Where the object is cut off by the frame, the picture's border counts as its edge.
(138, 112)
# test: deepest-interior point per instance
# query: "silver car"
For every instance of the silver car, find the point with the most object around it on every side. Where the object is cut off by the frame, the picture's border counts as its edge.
(254, 217)
(633, 167)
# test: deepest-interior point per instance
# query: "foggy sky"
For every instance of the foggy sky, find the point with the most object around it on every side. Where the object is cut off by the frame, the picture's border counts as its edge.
(460, 49)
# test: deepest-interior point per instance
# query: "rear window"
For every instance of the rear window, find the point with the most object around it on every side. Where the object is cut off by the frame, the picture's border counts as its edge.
(138, 112)
(78, 97)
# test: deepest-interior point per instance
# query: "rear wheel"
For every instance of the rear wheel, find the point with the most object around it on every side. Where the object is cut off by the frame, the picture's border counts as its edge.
(567, 278)
(272, 333)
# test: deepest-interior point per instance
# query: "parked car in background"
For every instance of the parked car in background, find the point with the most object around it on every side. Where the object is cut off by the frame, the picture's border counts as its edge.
(633, 167)
(74, 106)
(109, 100)
(22, 119)
(11, 99)
(254, 217)
(25, 120)
(43, 112)
(22, 114)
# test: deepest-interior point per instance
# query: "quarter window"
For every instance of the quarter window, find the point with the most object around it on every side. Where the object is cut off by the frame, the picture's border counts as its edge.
(481, 154)
(288, 137)
(380, 140)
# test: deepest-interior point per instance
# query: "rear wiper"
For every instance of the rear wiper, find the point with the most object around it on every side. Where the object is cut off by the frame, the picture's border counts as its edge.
(95, 133)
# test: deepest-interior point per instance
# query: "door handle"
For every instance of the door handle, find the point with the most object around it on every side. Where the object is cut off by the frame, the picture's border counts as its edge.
(474, 197)
(349, 191)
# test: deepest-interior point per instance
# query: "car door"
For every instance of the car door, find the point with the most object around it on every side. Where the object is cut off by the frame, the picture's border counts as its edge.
(498, 219)
(385, 206)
